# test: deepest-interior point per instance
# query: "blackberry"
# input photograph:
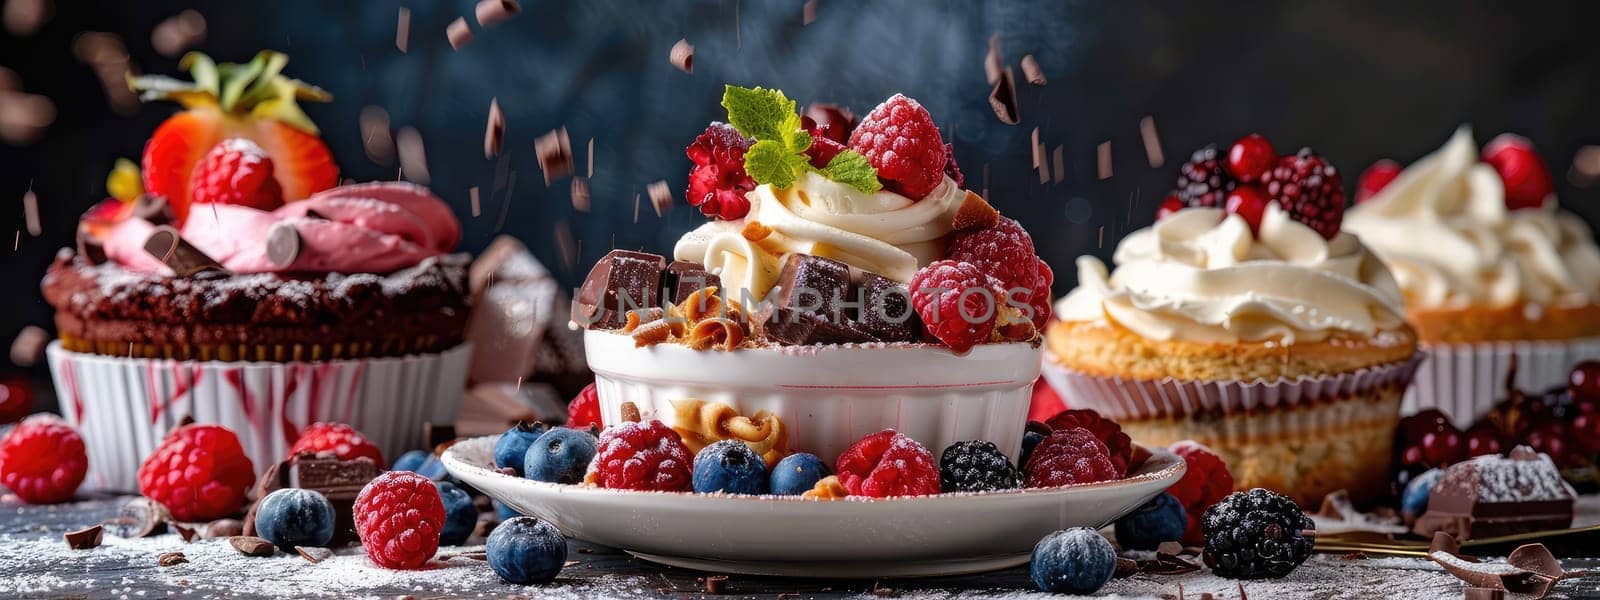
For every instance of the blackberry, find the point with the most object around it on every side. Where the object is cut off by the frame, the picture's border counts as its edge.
(1256, 535)
(1204, 180)
(1309, 188)
(976, 466)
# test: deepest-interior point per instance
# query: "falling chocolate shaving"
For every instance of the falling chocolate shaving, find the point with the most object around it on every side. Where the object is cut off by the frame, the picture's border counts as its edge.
(808, 12)
(91, 249)
(178, 33)
(1152, 142)
(1031, 71)
(580, 194)
(1037, 149)
(554, 150)
(458, 33)
(222, 528)
(630, 412)
(138, 518)
(402, 30)
(716, 584)
(168, 559)
(251, 545)
(28, 347)
(313, 554)
(993, 63)
(1530, 569)
(183, 258)
(494, 131)
(494, 12)
(1058, 165)
(682, 56)
(660, 197)
(1103, 160)
(84, 539)
(1003, 99)
(283, 244)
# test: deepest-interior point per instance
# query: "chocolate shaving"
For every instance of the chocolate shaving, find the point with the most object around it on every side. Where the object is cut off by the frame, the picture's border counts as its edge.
(630, 412)
(91, 249)
(494, 12)
(313, 554)
(1031, 71)
(168, 559)
(1058, 164)
(660, 197)
(993, 62)
(283, 244)
(1530, 569)
(808, 12)
(716, 584)
(184, 531)
(580, 194)
(469, 555)
(1003, 99)
(1103, 160)
(1242, 595)
(682, 56)
(84, 539)
(458, 33)
(183, 258)
(28, 347)
(251, 545)
(974, 213)
(494, 131)
(222, 528)
(1478, 593)
(138, 518)
(1357, 555)
(402, 30)
(1125, 568)
(554, 150)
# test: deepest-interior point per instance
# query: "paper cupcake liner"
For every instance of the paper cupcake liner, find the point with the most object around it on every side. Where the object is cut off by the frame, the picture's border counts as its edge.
(125, 406)
(1465, 380)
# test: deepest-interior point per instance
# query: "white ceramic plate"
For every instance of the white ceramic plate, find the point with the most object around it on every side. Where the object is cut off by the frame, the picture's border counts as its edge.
(789, 536)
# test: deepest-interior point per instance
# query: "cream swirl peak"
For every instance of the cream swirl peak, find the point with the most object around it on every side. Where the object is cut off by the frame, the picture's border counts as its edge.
(1443, 228)
(1200, 275)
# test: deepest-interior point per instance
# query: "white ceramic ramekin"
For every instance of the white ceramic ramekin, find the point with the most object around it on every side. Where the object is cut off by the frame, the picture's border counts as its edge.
(125, 406)
(1464, 381)
(830, 396)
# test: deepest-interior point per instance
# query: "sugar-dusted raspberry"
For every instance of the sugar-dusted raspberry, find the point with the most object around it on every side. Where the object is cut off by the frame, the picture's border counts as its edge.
(718, 182)
(901, 141)
(1004, 252)
(584, 410)
(342, 440)
(888, 463)
(1118, 444)
(199, 472)
(1067, 457)
(1040, 300)
(43, 460)
(398, 516)
(1206, 482)
(958, 303)
(642, 456)
(1309, 187)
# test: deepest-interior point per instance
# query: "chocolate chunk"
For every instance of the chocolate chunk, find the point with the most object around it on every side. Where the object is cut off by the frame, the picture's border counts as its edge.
(808, 12)
(1478, 593)
(1031, 70)
(716, 584)
(84, 539)
(660, 197)
(815, 285)
(222, 528)
(168, 559)
(801, 328)
(993, 62)
(554, 151)
(885, 310)
(683, 278)
(314, 555)
(580, 194)
(622, 281)
(184, 259)
(138, 518)
(682, 56)
(184, 531)
(28, 347)
(1003, 98)
(494, 131)
(252, 546)
(283, 245)
(493, 12)
(337, 480)
(458, 33)
(1492, 495)
(630, 412)
(90, 248)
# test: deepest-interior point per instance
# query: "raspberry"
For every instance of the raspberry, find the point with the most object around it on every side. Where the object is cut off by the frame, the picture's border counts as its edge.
(236, 171)
(1170, 205)
(1045, 403)
(830, 121)
(957, 303)
(1250, 203)
(16, 400)
(1004, 252)
(199, 472)
(822, 150)
(1203, 181)
(1527, 180)
(1309, 188)
(642, 456)
(43, 460)
(1375, 178)
(584, 410)
(1250, 157)
(1040, 300)
(901, 141)
(398, 516)
(976, 466)
(1068, 457)
(342, 440)
(1206, 482)
(1256, 534)
(888, 463)
(1118, 445)
(951, 169)
(718, 182)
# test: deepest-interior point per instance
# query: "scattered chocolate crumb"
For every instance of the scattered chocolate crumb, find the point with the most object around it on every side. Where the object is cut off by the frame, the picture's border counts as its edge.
(84, 539)
(495, 130)
(554, 150)
(458, 33)
(1479, 593)
(494, 12)
(28, 347)
(630, 412)
(1357, 555)
(1103, 162)
(580, 194)
(138, 518)
(222, 528)
(883, 592)
(716, 584)
(1058, 165)
(808, 12)
(313, 554)
(660, 197)
(167, 559)
(1003, 99)
(402, 30)
(184, 531)
(179, 32)
(1125, 567)
(1031, 71)
(1152, 142)
(993, 62)
(1207, 596)
(682, 56)
(586, 551)
(251, 545)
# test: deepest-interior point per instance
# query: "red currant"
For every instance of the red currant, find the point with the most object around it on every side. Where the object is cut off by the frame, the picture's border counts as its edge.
(1375, 178)
(16, 400)
(1584, 380)
(1250, 157)
(1171, 205)
(1443, 448)
(1550, 437)
(1585, 431)
(1249, 202)
(1483, 439)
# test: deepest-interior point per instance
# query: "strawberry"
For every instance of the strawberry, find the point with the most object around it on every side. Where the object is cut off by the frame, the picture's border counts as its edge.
(236, 171)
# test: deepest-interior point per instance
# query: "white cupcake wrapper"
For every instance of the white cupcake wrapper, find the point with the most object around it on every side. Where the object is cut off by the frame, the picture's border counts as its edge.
(125, 406)
(1465, 380)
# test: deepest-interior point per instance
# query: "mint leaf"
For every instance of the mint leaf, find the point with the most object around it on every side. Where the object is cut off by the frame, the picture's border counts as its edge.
(760, 113)
(852, 168)
(768, 161)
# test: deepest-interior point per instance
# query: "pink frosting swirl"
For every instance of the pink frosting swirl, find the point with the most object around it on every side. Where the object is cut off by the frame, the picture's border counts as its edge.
(364, 228)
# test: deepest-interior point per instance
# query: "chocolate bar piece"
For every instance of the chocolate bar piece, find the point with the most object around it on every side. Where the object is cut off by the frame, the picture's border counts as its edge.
(338, 480)
(1492, 496)
(184, 259)
(814, 285)
(803, 328)
(622, 281)
(683, 278)
(885, 310)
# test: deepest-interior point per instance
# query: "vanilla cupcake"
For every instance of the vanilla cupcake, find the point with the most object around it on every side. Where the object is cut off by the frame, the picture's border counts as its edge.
(1490, 268)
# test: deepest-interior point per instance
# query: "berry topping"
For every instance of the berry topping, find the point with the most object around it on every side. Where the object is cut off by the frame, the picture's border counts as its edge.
(1256, 534)
(1309, 188)
(957, 302)
(1172, 204)
(976, 466)
(888, 463)
(829, 121)
(399, 515)
(1118, 445)
(797, 474)
(1039, 298)
(718, 182)
(292, 517)
(1203, 181)
(512, 447)
(1205, 482)
(1073, 561)
(561, 455)
(1584, 380)
(729, 467)
(900, 139)
(526, 551)
(1527, 179)
(1375, 178)
(1067, 457)
(460, 515)
(1250, 157)
(342, 440)
(584, 409)
(43, 460)
(642, 456)
(1004, 252)
(1249, 202)
(1162, 519)
(236, 171)
(1428, 440)
(1482, 438)
(199, 472)
(16, 400)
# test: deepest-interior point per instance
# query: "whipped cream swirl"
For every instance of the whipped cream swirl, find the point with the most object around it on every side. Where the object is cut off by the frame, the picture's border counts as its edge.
(883, 232)
(1199, 275)
(1443, 228)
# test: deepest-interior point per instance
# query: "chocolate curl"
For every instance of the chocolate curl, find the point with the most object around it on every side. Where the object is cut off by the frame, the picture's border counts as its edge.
(458, 33)
(495, 130)
(494, 12)
(1530, 569)
(1003, 99)
(682, 56)
(1031, 71)
(283, 245)
(554, 150)
(184, 259)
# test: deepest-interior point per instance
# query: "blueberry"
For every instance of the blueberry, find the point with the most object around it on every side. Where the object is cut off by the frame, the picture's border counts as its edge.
(460, 516)
(513, 446)
(411, 461)
(797, 473)
(1414, 501)
(1029, 440)
(525, 550)
(1162, 519)
(295, 517)
(731, 467)
(561, 455)
(1073, 561)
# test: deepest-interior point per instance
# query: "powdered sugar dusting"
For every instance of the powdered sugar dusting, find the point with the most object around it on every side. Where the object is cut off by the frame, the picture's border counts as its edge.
(1503, 479)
